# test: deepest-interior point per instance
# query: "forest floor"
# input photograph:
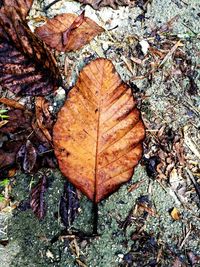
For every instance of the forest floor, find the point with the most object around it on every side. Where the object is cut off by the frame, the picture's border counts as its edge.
(154, 220)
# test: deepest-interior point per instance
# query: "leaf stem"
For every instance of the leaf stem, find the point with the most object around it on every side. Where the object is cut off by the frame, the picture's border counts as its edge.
(95, 218)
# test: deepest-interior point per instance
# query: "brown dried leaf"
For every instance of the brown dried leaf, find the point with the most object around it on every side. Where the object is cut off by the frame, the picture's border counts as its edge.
(44, 120)
(98, 135)
(22, 5)
(8, 154)
(13, 125)
(26, 66)
(37, 198)
(13, 133)
(97, 4)
(27, 156)
(67, 32)
(17, 149)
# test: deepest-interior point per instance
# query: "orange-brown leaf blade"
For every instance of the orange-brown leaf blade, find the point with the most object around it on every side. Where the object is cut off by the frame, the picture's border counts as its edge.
(98, 135)
(67, 32)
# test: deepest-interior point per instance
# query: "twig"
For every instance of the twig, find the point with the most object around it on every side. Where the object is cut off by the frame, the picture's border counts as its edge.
(128, 64)
(190, 144)
(185, 239)
(169, 54)
(50, 5)
(189, 28)
(191, 177)
(191, 107)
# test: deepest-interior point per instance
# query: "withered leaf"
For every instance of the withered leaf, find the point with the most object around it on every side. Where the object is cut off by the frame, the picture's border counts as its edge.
(44, 120)
(98, 135)
(67, 32)
(22, 5)
(37, 198)
(8, 154)
(27, 156)
(13, 126)
(30, 154)
(97, 4)
(26, 66)
(12, 135)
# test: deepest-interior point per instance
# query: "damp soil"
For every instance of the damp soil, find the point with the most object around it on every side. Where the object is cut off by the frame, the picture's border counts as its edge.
(35, 243)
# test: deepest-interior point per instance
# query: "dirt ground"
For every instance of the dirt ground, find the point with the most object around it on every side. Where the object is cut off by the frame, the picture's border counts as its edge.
(154, 219)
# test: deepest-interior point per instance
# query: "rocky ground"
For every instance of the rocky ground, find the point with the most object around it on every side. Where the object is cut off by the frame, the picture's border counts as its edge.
(154, 219)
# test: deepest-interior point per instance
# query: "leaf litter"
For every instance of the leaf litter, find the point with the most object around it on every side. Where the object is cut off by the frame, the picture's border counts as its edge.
(27, 67)
(68, 32)
(165, 154)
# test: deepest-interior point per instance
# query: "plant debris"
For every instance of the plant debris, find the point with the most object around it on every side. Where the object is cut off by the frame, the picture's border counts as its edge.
(26, 144)
(111, 3)
(37, 198)
(27, 154)
(23, 6)
(67, 32)
(26, 66)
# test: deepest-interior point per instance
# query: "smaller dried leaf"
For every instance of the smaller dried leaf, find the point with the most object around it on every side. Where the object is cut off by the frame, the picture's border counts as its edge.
(67, 32)
(8, 154)
(13, 125)
(37, 198)
(44, 119)
(26, 65)
(32, 154)
(27, 156)
(22, 5)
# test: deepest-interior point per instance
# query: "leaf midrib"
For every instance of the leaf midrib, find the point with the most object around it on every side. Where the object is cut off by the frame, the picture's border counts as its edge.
(98, 126)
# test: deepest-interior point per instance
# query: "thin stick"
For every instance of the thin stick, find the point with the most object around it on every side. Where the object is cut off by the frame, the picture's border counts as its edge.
(95, 218)
(51, 4)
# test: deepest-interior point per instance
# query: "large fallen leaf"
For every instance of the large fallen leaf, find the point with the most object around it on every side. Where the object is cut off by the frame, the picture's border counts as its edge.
(22, 5)
(98, 135)
(26, 66)
(97, 4)
(67, 32)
